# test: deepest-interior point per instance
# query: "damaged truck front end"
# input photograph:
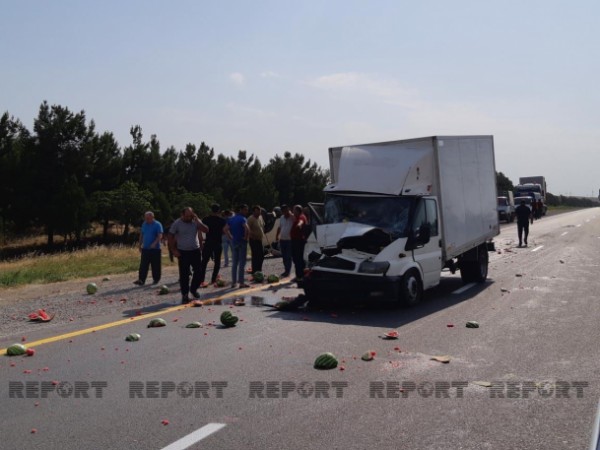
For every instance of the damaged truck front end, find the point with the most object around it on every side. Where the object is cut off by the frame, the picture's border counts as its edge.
(363, 249)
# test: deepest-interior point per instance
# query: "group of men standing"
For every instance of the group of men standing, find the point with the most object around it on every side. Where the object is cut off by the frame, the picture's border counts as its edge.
(186, 242)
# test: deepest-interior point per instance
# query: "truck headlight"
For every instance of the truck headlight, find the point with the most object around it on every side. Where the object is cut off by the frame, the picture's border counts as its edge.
(374, 267)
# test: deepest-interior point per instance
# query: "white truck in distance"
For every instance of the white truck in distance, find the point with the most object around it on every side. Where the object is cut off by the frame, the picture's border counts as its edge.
(535, 187)
(397, 213)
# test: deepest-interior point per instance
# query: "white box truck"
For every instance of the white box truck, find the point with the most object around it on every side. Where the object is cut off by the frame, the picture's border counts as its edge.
(534, 187)
(397, 213)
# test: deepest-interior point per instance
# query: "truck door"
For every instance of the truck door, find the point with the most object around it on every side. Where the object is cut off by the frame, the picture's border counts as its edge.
(428, 254)
(316, 211)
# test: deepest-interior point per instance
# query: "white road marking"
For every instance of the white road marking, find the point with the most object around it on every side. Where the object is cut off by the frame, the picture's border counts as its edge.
(537, 248)
(195, 436)
(464, 288)
(566, 232)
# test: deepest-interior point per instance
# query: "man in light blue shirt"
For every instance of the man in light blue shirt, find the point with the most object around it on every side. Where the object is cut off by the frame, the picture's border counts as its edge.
(150, 237)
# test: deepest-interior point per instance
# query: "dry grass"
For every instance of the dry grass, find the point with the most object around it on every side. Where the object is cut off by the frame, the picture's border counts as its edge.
(69, 265)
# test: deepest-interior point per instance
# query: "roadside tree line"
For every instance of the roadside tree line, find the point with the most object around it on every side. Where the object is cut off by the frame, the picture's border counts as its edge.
(63, 175)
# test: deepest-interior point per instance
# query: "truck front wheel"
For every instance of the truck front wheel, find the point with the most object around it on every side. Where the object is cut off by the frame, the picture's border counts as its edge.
(411, 288)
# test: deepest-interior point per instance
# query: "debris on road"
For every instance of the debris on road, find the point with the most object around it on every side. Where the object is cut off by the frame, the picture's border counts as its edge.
(443, 359)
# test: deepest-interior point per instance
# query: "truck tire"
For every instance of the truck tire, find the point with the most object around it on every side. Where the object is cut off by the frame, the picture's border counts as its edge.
(411, 288)
(475, 270)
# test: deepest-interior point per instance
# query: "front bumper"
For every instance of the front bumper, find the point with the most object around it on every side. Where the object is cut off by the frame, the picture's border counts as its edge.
(324, 284)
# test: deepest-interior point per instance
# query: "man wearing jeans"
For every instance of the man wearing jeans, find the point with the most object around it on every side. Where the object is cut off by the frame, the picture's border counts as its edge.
(237, 230)
(184, 240)
(285, 239)
(150, 237)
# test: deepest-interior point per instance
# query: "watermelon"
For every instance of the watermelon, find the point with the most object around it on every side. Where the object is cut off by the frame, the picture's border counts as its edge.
(283, 305)
(133, 337)
(40, 316)
(472, 324)
(194, 325)
(16, 350)
(220, 283)
(91, 288)
(259, 277)
(228, 319)
(368, 356)
(154, 323)
(326, 361)
(272, 279)
(164, 289)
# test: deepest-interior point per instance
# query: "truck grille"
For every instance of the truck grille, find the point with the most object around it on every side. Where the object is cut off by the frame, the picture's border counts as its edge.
(336, 263)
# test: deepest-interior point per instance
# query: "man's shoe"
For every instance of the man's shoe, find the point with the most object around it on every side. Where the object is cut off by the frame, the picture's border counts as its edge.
(196, 294)
(204, 284)
(155, 282)
(138, 282)
(244, 285)
(233, 285)
(185, 300)
(284, 275)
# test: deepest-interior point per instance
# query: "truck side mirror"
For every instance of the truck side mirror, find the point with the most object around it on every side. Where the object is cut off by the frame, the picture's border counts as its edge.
(419, 238)
(424, 234)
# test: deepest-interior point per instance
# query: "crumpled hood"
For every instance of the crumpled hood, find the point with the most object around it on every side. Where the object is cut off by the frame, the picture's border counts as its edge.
(352, 235)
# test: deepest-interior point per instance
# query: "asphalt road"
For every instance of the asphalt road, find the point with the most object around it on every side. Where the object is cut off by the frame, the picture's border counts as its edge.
(527, 378)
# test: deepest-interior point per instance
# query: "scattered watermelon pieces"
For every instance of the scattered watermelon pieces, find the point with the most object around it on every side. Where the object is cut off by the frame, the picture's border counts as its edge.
(391, 335)
(40, 316)
(369, 356)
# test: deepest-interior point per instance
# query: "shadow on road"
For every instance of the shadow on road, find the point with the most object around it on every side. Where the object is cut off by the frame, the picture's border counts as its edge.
(379, 312)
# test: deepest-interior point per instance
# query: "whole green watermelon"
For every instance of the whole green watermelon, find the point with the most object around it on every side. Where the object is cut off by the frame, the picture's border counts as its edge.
(259, 277)
(228, 319)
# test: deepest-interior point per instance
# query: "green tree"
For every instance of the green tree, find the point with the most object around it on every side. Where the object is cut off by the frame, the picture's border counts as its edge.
(76, 209)
(14, 137)
(129, 203)
(60, 153)
(503, 184)
(199, 202)
(296, 180)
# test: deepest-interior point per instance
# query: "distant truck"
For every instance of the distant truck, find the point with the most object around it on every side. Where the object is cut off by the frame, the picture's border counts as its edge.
(530, 186)
(506, 207)
(398, 213)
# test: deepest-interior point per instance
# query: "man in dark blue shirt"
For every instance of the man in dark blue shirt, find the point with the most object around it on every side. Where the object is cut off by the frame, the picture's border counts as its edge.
(523, 214)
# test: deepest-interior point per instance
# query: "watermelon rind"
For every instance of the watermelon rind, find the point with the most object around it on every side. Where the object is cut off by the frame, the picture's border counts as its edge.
(157, 323)
(133, 337)
(16, 350)
(326, 361)
(91, 288)
(228, 319)
(259, 277)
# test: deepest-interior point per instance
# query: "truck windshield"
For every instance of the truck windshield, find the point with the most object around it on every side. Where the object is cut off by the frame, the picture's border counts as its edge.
(388, 213)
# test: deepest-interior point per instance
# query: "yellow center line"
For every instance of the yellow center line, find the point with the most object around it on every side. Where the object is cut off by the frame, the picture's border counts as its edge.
(213, 301)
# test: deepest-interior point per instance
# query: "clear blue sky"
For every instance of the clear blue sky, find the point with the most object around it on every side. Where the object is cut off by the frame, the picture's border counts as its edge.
(301, 76)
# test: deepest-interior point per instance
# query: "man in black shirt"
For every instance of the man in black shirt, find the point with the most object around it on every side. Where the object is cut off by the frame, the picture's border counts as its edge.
(523, 214)
(212, 246)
